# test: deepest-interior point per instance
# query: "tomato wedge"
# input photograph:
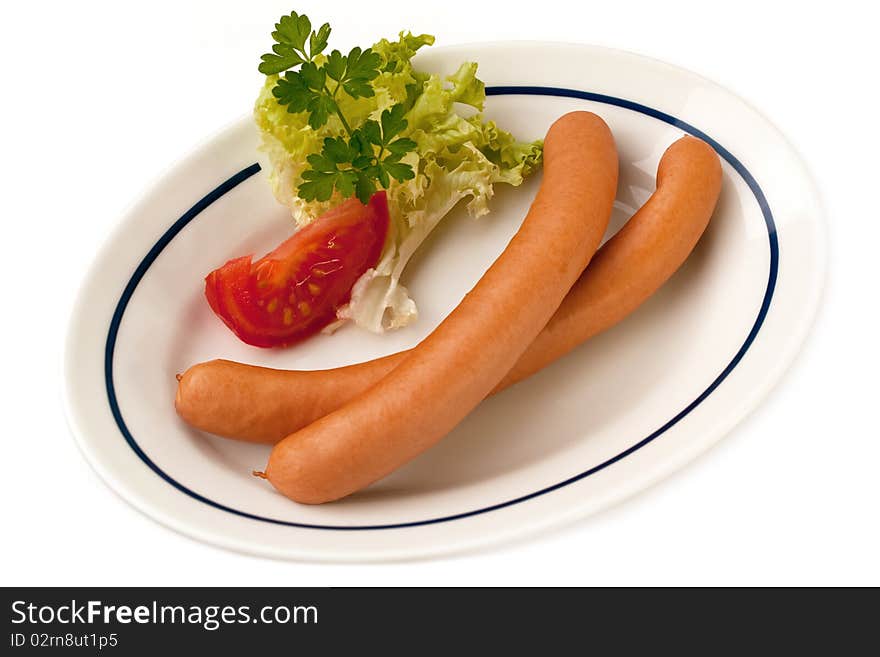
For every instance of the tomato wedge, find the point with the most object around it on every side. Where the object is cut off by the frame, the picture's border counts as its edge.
(294, 291)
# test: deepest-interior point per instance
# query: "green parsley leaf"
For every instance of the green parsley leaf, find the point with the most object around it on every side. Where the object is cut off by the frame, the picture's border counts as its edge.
(317, 190)
(273, 64)
(398, 170)
(312, 76)
(364, 188)
(401, 146)
(361, 67)
(363, 64)
(292, 90)
(293, 30)
(346, 182)
(291, 33)
(335, 66)
(321, 163)
(320, 107)
(318, 40)
(360, 144)
(371, 132)
(393, 123)
(358, 88)
(370, 154)
(382, 174)
(338, 150)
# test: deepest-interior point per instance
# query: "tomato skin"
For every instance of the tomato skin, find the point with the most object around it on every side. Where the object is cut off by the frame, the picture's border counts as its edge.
(294, 291)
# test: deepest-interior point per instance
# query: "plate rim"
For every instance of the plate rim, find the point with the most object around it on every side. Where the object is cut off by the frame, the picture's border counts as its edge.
(770, 379)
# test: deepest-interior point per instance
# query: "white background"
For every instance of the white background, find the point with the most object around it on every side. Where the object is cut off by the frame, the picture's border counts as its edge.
(101, 97)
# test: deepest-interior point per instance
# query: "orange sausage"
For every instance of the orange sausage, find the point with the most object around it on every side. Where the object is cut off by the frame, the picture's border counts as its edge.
(259, 404)
(444, 377)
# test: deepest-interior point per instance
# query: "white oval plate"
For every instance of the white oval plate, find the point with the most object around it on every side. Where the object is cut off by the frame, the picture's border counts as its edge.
(609, 419)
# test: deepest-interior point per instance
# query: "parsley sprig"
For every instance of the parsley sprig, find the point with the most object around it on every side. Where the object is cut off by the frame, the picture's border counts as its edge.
(351, 164)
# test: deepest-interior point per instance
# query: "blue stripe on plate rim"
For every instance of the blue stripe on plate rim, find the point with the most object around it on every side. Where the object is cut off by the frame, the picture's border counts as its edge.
(246, 173)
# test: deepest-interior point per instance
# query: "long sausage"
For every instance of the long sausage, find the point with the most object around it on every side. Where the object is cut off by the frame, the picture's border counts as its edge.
(263, 405)
(443, 378)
